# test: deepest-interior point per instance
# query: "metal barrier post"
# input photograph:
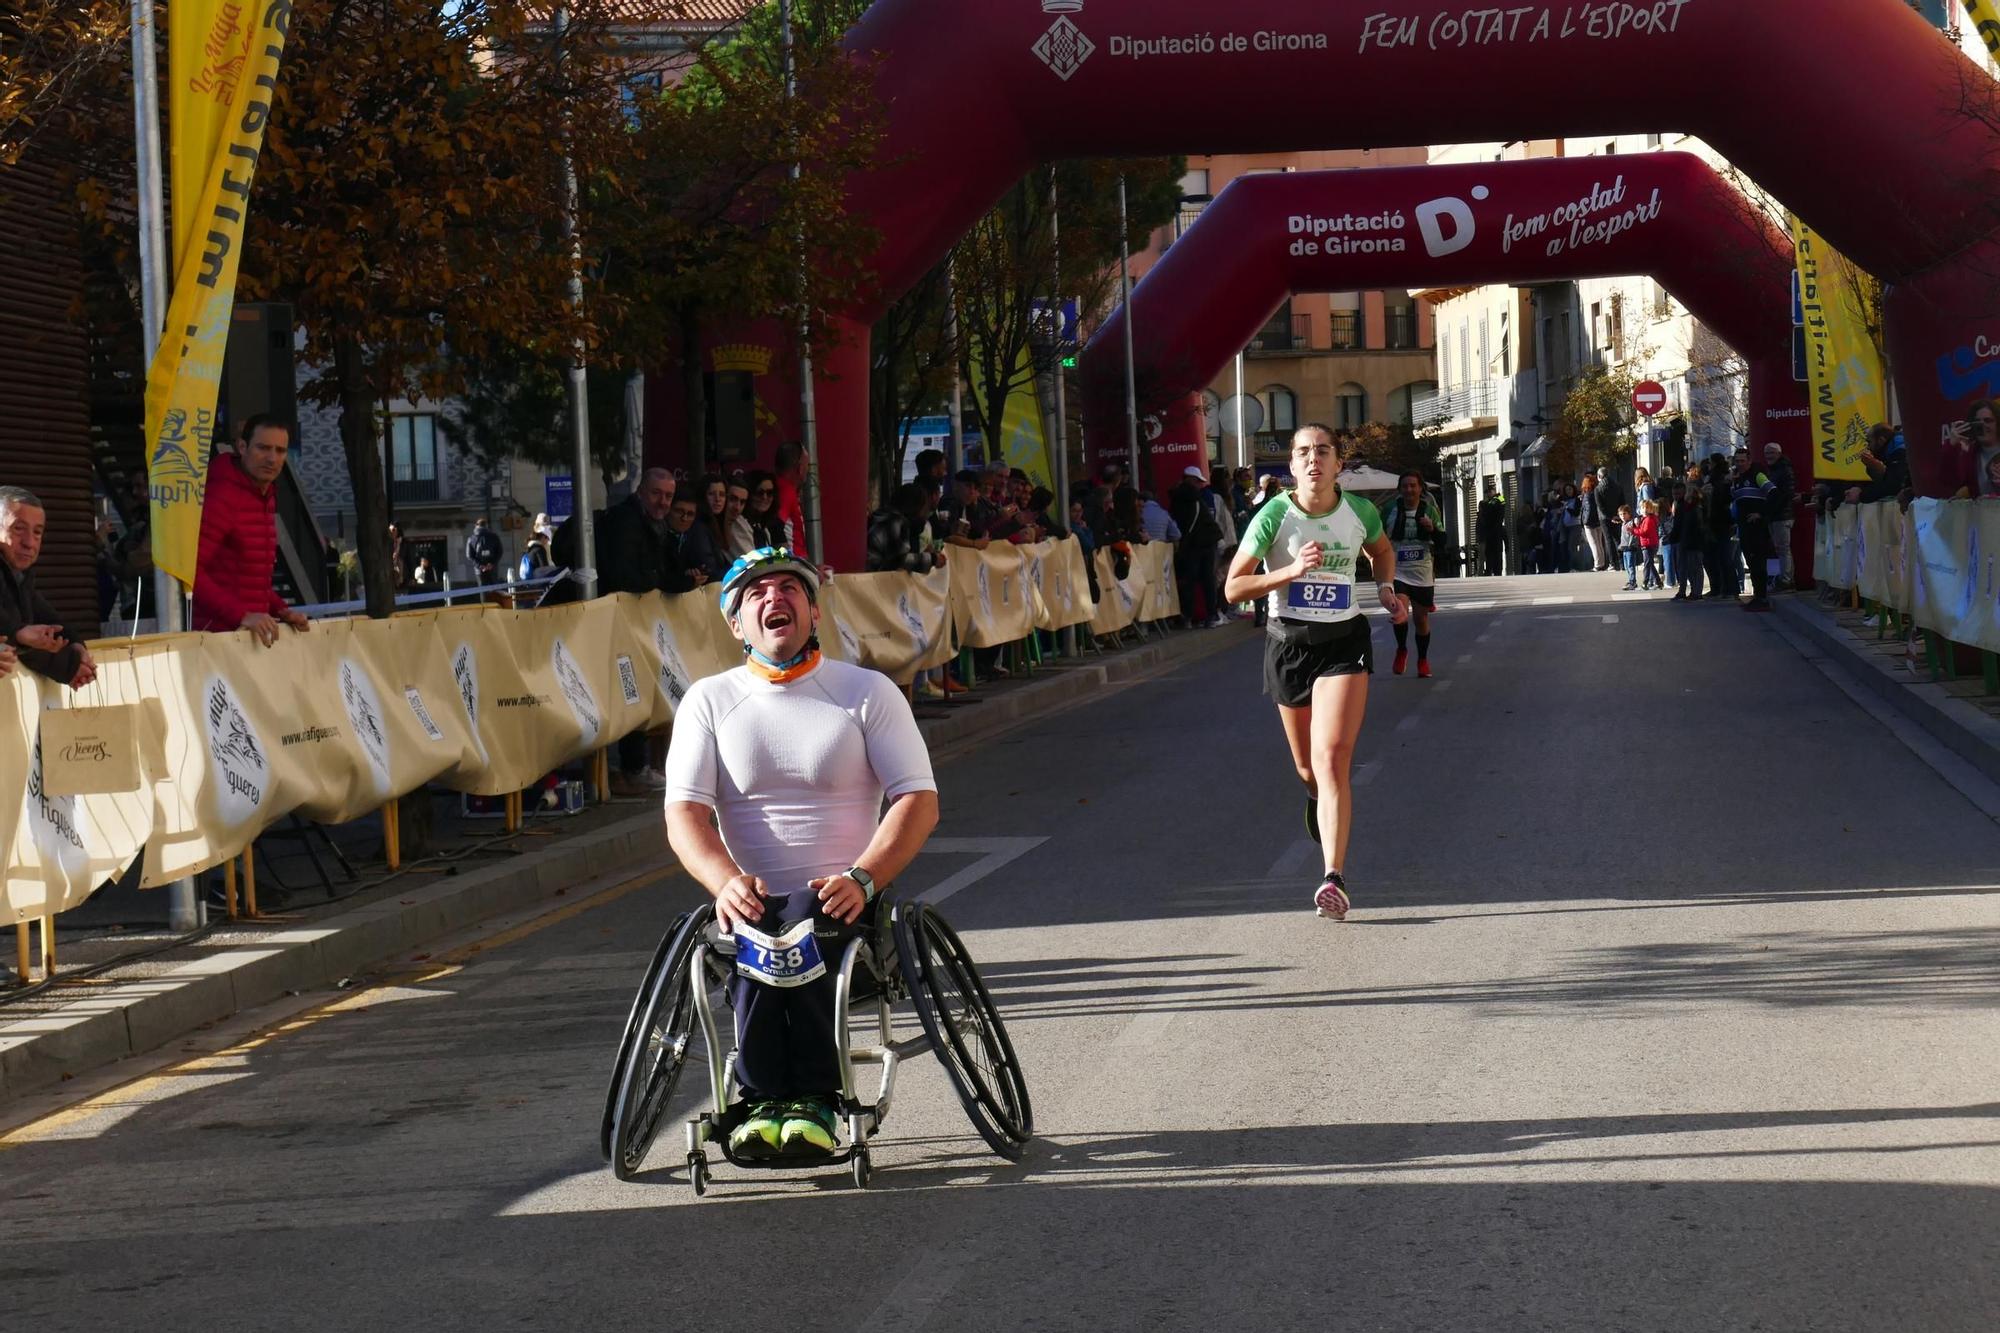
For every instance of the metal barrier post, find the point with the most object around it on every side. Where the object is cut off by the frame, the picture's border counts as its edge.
(250, 881)
(48, 948)
(392, 833)
(229, 887)
(21, 956)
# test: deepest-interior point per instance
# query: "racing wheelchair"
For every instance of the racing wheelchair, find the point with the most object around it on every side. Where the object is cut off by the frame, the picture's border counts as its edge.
(899, 950)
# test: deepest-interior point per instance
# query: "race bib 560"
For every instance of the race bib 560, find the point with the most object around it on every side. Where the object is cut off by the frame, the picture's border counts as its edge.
(1414, 554)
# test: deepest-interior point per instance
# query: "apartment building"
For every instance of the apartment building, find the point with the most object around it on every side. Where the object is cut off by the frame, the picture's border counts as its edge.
(1345, 358)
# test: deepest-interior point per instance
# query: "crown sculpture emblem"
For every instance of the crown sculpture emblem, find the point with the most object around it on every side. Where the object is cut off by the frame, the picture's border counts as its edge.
(741, 356)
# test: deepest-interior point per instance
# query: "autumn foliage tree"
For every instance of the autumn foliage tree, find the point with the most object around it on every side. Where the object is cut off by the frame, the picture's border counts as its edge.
(52, 53)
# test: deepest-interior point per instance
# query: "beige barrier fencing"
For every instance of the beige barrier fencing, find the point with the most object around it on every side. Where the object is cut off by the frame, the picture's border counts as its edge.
(1146, 593)
(1934, 567)
(899, 624)
(231, 736)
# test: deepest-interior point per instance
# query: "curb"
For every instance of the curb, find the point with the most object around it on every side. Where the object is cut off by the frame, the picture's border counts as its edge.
(135, 1016)
(1964, 729)
(141, 1014)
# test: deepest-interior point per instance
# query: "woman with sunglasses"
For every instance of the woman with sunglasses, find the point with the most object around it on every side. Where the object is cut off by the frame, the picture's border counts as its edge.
(765, 526)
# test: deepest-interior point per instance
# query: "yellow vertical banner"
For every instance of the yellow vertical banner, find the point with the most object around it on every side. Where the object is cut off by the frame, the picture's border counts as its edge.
(182, 383)
(208, 52)
(1843, 362)
(1986, 22)
(1023, 444)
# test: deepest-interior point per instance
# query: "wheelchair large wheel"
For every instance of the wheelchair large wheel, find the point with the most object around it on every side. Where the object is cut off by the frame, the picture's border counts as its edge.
(965, 1030)
(630, 1039)
(659, 1045)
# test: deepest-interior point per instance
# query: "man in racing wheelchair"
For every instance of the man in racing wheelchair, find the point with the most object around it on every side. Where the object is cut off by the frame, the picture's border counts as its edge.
(776, 777)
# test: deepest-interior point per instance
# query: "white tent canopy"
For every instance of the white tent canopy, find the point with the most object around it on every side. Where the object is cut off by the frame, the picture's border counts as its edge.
(1366, 480)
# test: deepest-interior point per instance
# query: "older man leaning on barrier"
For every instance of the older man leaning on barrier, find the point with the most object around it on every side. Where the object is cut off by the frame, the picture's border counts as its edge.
(239, 538)
(27, 620)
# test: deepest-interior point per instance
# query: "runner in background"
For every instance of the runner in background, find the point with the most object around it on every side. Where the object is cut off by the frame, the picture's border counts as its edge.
(1413, 521)
(1318, 654)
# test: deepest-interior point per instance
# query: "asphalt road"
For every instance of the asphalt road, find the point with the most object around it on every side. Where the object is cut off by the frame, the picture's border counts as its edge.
(1668, 1003)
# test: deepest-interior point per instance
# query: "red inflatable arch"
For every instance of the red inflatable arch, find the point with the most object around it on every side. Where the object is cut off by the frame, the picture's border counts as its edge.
(1857, 113)
(1264, 238)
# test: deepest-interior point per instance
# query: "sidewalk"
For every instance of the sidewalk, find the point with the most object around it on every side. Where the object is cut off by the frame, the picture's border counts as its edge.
(136, 1006)
(1957, 714)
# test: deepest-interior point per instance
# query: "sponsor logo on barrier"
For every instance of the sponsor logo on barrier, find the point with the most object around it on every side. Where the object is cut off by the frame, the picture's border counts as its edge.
(985, 592)
(569, 679)
(628, 682)
(908, 612)
(1063, 48)
(674, 677)
(364, 711)
(848, 641)
(424, 719)
(307, 736)
(465, 670)
(242, 772)
(54, 817)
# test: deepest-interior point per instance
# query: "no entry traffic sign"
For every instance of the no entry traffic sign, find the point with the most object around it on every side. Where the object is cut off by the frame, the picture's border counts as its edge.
(1648, 397)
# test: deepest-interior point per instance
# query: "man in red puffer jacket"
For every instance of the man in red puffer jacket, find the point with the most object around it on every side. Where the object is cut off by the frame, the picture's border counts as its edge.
(239, 538)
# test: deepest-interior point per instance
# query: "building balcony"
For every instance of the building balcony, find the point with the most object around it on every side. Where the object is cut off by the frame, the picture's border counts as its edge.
(1402, 328)
(1285, 334)
(1460, 409)
(417, 492)
(1345, 331)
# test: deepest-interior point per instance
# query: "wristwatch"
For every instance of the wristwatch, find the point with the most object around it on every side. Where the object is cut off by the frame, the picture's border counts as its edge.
(865, 880)
(1385, 587)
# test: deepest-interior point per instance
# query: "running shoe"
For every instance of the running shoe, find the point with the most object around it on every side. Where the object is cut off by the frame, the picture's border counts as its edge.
(759, 1134)
(1423, 668)
(1312, 816)
(1330, 898)
(1402, 659)
(810, 1127)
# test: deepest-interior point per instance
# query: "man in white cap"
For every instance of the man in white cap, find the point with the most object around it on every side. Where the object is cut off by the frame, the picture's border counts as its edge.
(1194, 513)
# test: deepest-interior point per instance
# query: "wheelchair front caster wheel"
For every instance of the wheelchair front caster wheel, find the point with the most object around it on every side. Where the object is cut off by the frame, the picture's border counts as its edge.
(698, 1173)
(862, 1170)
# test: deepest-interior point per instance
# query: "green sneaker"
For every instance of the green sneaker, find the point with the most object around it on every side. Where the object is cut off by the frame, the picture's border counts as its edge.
(760, 1132)
(810, 1127)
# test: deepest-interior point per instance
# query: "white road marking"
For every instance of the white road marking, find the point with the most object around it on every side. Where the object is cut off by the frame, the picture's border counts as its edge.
(1364, 773)
(1467, 606)
(1439, 687)
(997, 852)
(1294, 859)
(912, 1302)
(1553, 601)
(1409, 723)
(1464, 658)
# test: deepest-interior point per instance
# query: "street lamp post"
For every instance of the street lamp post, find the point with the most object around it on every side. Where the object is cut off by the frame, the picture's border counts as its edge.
(808, 424)
(1125, 297)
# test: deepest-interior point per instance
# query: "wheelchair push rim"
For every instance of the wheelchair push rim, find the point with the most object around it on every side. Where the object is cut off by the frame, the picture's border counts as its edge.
(965, 1030)
(664, 1036)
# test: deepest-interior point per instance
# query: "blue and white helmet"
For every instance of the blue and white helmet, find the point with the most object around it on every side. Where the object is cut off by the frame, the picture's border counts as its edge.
(754, 565)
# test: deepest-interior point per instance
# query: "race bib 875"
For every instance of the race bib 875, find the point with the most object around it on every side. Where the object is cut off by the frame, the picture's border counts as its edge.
(1311, 595)
(790, 959)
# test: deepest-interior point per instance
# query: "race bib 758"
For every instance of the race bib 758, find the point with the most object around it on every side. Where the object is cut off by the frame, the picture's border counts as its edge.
(790, 959)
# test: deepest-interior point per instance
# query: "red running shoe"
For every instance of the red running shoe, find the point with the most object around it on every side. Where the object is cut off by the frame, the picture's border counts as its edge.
(1423, 668)
(1402, 660)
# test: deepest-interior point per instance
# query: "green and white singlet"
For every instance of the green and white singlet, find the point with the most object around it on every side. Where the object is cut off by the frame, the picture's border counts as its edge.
(1281, 530)
(1415, 557)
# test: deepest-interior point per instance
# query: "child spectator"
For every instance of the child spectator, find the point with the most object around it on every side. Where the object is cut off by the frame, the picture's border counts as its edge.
(1648, 527)
(1628, 545)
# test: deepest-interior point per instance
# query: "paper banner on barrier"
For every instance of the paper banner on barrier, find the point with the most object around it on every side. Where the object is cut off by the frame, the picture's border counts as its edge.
(540, 688)
(1163, 597)
(898, 624)
(58, 849)
(1056, 572)
(989, 603)
(1118, 600)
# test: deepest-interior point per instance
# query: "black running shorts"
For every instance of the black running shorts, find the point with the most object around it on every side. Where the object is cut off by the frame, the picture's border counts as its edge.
(1292, 662)
(1420, 594)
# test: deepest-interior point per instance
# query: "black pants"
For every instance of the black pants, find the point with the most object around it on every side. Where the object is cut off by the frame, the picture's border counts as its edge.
(1757, 554)
(1492, 553)
(1194, 567)
(784, 1036)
